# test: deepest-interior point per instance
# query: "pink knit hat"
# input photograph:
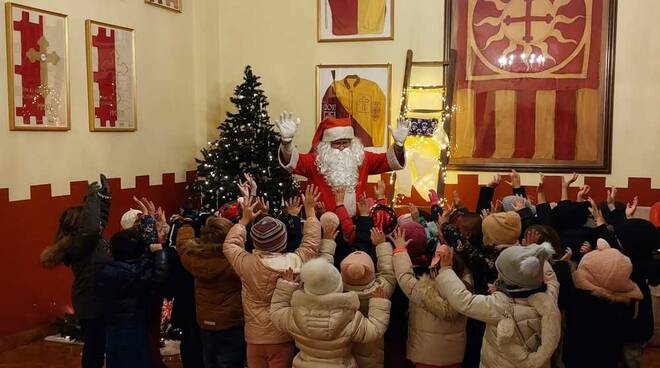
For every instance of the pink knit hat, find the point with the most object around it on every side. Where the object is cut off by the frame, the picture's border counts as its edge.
(417, 247)
(358, 269)
(329, 217)
(405, 218)
(606, 271)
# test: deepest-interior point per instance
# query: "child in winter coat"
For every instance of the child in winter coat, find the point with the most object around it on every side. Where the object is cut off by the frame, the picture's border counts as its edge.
(639, 241)
(523, 323)
(323, 320)
(127, 283)
(259, 272)
(436, 331)
(217, 293)
(79, 244)
(602, 309)
(359, 275)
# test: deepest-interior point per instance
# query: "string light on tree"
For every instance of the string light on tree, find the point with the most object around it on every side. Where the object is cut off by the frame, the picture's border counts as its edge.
(256, 143)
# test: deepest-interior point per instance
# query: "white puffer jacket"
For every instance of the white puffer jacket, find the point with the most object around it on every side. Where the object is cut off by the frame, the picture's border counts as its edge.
(324, 327)
(520, 333)
(436, 331)
(372, 355)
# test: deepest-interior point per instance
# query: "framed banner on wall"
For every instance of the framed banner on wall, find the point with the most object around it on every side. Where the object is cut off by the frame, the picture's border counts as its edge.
(534, 83)
(361, 92)
(175, 5)
(355, 20)
(111, 81)
(37, 69)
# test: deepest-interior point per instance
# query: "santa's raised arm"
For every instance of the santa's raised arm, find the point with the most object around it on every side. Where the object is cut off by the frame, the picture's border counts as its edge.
(337, 158)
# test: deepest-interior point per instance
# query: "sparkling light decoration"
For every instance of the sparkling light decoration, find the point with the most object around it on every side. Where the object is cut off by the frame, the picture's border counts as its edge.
(247, 143)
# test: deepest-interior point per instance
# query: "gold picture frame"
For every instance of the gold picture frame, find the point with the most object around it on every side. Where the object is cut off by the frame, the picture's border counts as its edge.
(325, 25)
(177, 7)
(51, 103)
(378, 76)
(121, 83)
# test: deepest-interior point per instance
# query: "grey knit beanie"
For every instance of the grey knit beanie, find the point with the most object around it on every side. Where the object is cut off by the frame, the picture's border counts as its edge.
(520, 268)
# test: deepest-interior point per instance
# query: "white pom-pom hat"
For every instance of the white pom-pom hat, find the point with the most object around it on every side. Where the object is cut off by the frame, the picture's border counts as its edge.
(521, 267)
(319, 277)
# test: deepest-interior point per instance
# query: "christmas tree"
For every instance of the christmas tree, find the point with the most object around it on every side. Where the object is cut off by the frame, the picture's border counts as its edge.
(248, 143)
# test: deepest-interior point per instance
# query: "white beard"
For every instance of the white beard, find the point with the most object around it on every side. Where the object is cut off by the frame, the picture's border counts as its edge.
(341, 168)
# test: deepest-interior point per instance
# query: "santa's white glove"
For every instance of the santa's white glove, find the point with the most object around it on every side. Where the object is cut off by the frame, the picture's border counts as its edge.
(400, 133)
(287, 126)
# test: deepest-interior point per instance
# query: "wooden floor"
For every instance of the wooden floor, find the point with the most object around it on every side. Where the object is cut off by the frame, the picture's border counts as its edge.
(52, 355)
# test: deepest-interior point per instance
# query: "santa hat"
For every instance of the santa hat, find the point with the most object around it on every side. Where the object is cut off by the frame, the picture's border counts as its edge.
(332, 129)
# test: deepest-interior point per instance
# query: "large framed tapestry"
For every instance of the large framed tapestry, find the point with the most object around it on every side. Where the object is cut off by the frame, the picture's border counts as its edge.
(111, 77)
(37, 69)
(355, 20)
(361, 92)
(533, 84)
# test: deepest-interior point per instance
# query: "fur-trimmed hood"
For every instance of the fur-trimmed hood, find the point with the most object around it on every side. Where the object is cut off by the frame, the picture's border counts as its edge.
(432, 301)
(197, 247)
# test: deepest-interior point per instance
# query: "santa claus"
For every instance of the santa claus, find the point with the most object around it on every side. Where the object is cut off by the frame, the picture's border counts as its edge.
(337, 160)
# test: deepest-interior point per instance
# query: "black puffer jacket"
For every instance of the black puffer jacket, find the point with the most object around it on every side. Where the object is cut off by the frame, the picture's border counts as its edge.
(88, 248)
(127, 287)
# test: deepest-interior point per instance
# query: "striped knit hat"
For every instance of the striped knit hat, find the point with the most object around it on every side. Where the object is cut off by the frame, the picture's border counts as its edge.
(269, 235)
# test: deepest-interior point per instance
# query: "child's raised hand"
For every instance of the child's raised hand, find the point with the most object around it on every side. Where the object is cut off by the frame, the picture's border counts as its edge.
(292, 206)
(531, 237)
(329, 231)
(379, 292)
(377, 236)
(567, 182)
(586, 248)
(582, 193)
(446, 256)
(340, 193)
(380, 190)
(363, 206)
(518, 203)
(567, 255)
(310, 197)
(611, 196)
(249, 207)
(433, 197)
(414, 211)
(515, 179)
(632, 208)
(288, 275)
(595, 211)
(399, 238)
(495, 182)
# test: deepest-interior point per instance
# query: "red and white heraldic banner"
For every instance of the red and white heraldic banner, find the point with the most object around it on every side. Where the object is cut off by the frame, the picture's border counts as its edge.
(37, 69)
(531, 81)
(111, 77)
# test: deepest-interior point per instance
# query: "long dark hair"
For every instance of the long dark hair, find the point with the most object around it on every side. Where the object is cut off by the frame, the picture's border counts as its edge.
(69, 222)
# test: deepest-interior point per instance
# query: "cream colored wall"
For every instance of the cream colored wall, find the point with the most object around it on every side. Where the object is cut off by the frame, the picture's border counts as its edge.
(175, 83)
(188, 65)
(278, 38)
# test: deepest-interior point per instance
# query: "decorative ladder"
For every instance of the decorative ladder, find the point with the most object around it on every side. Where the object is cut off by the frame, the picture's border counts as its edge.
(445, 88)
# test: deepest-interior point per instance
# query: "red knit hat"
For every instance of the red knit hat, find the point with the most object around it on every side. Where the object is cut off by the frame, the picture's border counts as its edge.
(332, 129)
(230, 211)
(417, 247)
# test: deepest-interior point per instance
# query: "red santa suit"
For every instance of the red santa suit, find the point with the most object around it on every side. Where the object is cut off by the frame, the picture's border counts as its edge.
(329, 130)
